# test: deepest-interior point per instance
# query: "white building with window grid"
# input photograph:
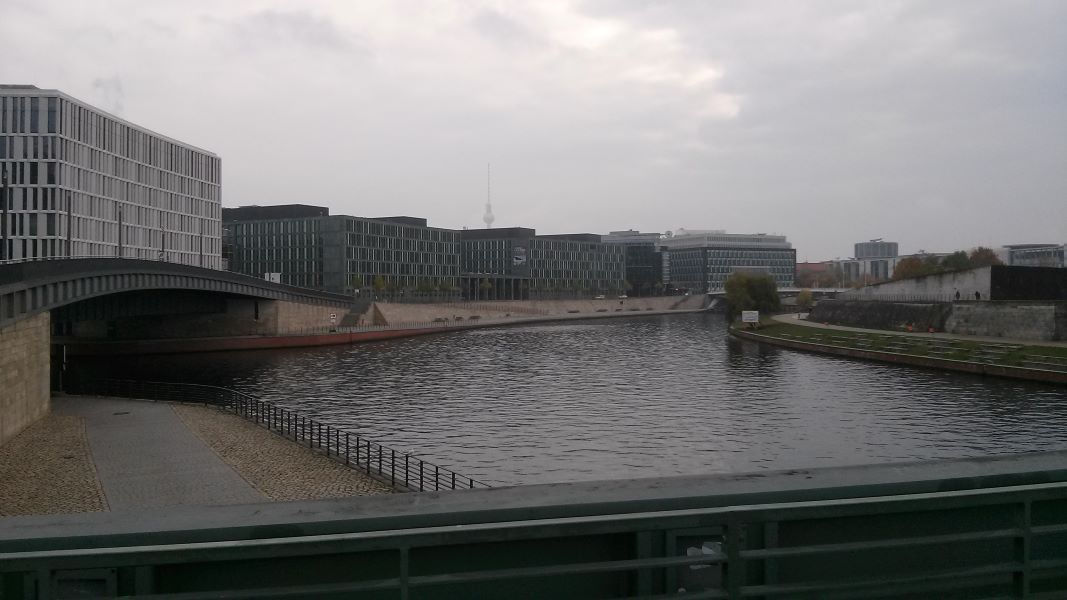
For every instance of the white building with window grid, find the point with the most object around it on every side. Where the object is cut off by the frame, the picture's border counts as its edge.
(703, 260)
(82, 182)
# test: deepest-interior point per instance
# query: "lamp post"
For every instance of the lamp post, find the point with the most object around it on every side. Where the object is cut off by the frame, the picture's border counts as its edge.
(3, 223)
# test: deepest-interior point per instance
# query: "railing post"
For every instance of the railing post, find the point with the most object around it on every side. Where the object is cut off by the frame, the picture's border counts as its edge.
(327, 440)
(453, 480)
(392, 467)
(406, 471)
(379, 456)
(420, 476)
(436, 477)
(346, 448)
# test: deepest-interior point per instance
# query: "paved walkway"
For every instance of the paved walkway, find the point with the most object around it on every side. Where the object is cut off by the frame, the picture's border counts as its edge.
(146, 457)
(792, 319)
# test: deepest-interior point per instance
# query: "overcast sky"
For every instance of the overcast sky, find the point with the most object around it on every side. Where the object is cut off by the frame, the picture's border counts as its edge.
(938, 124)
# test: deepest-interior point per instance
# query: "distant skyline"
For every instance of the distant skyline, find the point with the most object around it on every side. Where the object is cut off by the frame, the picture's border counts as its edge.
(938, 125)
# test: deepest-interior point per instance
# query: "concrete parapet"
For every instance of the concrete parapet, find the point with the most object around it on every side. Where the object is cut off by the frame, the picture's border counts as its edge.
(24, 374)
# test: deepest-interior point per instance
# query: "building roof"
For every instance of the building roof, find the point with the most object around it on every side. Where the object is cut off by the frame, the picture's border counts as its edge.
(280, 211)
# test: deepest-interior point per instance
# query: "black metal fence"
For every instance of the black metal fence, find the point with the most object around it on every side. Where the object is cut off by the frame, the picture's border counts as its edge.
(399, 469)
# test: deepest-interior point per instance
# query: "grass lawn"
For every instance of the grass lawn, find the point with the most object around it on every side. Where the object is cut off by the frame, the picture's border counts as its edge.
(920, 344)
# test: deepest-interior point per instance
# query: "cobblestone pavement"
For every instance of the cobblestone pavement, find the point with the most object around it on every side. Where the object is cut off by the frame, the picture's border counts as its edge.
(146, 457)
(278, 467)
(48, 469)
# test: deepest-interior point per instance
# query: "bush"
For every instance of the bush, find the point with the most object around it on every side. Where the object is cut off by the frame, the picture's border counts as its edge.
(747, 291)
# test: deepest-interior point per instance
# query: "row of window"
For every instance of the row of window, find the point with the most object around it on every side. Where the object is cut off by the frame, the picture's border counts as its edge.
(37, 114)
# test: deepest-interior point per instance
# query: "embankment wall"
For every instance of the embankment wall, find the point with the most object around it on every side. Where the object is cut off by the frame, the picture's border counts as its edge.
(24, 374)
(395, 314)
(1045, 321)
(882, 315)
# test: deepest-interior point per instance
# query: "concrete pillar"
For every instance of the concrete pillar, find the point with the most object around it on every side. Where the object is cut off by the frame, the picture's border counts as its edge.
(24, 376)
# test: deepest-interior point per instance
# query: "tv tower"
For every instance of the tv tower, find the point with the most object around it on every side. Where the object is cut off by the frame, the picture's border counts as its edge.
(488, 216)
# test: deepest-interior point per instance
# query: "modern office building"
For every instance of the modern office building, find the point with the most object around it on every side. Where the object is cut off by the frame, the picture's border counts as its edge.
(644, 260)
(702, 261)
(875, 249)
(81, 182)
(305, 246)
(516, 263)
(1036, 255)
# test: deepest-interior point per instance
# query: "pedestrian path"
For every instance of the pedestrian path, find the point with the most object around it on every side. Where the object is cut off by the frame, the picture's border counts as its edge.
(792, 319)
(146, 457)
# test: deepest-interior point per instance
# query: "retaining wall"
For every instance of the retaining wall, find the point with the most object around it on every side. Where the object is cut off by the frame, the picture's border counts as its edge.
(882, 315)
(394, 314)
(1045, 321)
(25, 394)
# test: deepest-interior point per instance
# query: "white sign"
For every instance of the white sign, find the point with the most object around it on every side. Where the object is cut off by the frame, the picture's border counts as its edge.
(273, 277)
(750, 316)
(333, 316)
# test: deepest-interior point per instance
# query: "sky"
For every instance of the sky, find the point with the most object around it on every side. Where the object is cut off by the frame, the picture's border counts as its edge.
(939, 125)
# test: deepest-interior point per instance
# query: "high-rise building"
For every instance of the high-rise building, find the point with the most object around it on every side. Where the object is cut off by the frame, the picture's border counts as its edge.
(1036, 255)
(82, 182)
(875, 249)
(702, 261)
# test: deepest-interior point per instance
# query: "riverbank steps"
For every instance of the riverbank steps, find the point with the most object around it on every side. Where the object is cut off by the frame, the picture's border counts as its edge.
(385, 313)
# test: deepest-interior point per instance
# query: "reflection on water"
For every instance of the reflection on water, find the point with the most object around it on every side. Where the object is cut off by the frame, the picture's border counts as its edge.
(631, 397)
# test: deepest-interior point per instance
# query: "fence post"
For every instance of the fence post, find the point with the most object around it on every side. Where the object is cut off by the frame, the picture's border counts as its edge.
(346, 448)
(379, 456)
(453, 480)
(436, 477)
(420, 475)
(406, 470)
(392, 467)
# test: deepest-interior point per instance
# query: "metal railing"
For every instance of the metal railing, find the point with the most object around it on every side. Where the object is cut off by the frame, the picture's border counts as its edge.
(981, 543)
(938, 298)
(399, 469)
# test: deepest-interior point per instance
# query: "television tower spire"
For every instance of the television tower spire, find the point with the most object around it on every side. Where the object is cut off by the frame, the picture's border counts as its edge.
(488, 216)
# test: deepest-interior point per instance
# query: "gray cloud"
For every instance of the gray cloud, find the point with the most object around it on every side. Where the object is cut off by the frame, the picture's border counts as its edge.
(109, 94)
(936, 124)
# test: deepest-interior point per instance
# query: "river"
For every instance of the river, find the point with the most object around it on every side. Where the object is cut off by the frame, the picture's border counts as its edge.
(628, 397)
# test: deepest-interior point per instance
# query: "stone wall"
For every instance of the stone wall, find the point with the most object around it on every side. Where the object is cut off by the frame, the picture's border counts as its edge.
(1022, 320)
(1018, 320)
(882, 315)
(24, 376)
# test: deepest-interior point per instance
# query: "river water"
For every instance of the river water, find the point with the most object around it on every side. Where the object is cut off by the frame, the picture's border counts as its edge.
(629, 397)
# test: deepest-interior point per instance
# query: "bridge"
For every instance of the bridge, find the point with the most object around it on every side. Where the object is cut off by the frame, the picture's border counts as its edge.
(791, 291)
(31, 287)
(114, 298)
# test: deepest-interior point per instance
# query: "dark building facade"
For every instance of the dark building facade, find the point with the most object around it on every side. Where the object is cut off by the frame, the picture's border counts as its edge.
(516, 263)
(644, 261)
(307, 247)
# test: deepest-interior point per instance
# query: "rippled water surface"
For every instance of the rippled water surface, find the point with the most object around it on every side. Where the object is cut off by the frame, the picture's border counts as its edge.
(632, 397)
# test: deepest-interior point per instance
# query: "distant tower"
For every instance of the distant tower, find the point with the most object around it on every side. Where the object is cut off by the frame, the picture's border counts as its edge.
(488, 217)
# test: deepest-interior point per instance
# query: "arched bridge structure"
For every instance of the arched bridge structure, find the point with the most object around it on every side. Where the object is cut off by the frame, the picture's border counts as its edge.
(28, 288)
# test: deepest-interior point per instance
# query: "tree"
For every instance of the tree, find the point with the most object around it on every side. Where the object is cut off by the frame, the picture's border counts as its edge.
(747, 291)
(957, 261)
(912, 266)
(984, 257)
(804, 300)
(485, 286)
(378, 284)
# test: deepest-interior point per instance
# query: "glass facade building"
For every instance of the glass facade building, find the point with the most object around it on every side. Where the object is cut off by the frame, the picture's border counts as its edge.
(82, 182)
(703, 261)
(305, 246)
(516, 263)
(644, 261)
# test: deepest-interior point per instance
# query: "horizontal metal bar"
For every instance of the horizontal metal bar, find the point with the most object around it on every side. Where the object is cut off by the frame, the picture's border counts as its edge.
(882, 582)
(558, 527)
(567, 569)
(882, 544)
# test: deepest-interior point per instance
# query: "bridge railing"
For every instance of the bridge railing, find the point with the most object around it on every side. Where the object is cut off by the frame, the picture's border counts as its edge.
(1003, 542)
(399, 469)
(936, 298)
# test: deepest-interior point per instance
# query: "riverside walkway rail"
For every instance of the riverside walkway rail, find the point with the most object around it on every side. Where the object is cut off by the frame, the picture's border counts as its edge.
(977, 528)
(399, 469)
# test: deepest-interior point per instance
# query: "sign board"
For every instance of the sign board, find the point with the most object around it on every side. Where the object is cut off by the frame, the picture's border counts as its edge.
(273, 277)
(750, 316)
(333, 316)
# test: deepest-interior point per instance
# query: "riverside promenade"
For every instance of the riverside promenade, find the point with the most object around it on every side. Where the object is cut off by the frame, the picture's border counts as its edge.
(108, 454)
